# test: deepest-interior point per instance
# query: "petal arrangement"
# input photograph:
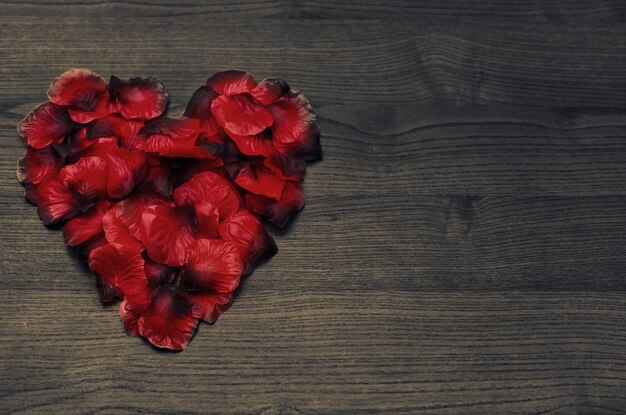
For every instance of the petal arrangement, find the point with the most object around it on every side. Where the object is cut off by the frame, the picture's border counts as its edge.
(166, 209)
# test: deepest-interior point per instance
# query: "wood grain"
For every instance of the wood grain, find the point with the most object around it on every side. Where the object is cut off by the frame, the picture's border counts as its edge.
(462, 247)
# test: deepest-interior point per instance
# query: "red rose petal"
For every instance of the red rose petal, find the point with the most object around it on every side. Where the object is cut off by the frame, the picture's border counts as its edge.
(131, 210)
(121, 268)
(116, 232)
(138, 98)
(81, 228)
(199, 108)
(208, 306)
(46, 124)
(209, 187)
(87, 177)
(247, 234)
(212, 264)
(79, 88)
(168, 322)
(126, 168)
(260, 180)
(36, 165)
(278, 212)
(207, 220)
(270, 90)
(103, 107)
(253, 145)
(158, 274)
(294, 130)
(54, 202)
(231, 82)
(241, 114)
(173, 137)
(167, 232)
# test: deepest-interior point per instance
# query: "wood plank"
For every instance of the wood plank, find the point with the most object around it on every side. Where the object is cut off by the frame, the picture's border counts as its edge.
(544, 11)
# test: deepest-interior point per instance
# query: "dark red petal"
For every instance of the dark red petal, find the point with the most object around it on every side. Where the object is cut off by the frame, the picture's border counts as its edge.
(260, 180)
(81, 228)
(208, 306)
(247, 234)
(87, 177)
(139, 98)
(209, 187)
(231, 82)
(289, 168)
(36, 165)
(173, 137)
(54, 202)
(129, 135)
(79, 88)
(207, 220)
(132, 309)
(199, 108)
(253, 145)
(116, 232)
(159, 177)
(46, 124)
(278, 212)
(270, 90)
(194, 166)
(121, 268)
(168, 321)
(131, 210)
(241, 114)
(103, 107)
(294, 130)
(91, 244)
(158, 274)
(92, 148)
(167, 232)
(30, 193)
(212, 264)
(126, 168)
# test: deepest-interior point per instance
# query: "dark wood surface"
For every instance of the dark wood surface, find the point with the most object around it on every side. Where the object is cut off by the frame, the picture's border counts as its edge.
(462, 249)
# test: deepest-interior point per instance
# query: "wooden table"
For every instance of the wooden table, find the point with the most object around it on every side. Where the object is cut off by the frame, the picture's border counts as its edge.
(462, 249)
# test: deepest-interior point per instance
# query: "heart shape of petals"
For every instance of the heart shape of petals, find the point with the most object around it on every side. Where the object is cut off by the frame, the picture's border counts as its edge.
(168, 210)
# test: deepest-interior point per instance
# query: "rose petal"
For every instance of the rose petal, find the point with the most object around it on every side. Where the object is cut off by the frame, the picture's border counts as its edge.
(231, 82)
(269, 90)
(116, 232)
(167, 232)
(138, 98)
(168, 322)
(80, 88)
(103, 107)
(208, 187)
(294, 130)
(247, 234)
(207, 220)
(126, 168)
(131, 210)
(208, 306)
(253, 145)
(121, 268)
(46, 124)
(55, 202)
(278, 212)
(158, 274)
(260, 180)
(87, 177)
(173, 137)
(36, 165)
(81, 228)
(241, 114)
(212, 264)
(199, 108)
